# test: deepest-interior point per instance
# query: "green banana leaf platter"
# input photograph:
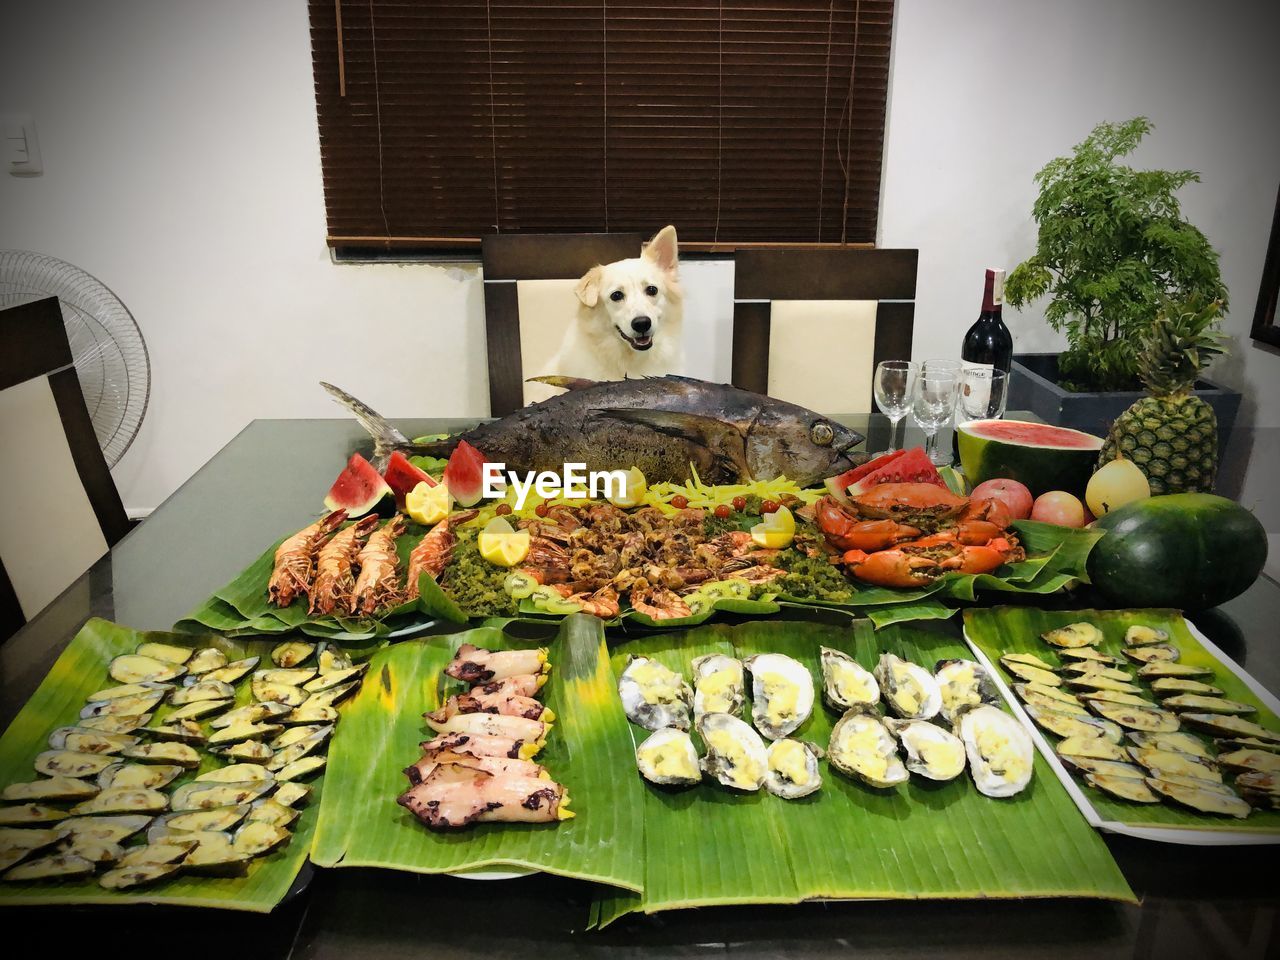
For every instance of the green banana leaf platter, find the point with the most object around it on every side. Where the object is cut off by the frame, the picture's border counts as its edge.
(652, 849)
(82, 670)
(996, 631)
(1056, 559)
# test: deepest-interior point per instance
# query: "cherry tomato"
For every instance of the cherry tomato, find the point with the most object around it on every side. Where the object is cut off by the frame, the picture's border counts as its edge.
(542, 509)
(679, 501)
(722, 512)
(503, 509)
(769, 506)
(739, 503)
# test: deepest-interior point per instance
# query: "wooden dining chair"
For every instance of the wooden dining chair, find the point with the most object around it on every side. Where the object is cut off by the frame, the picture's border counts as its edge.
(810, 325)
(60, 510)
(529, 301)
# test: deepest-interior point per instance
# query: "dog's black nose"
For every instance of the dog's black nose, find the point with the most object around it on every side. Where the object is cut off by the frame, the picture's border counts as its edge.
(641, 324)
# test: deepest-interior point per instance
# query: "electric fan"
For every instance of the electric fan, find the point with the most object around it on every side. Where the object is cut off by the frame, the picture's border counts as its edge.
(106, 344)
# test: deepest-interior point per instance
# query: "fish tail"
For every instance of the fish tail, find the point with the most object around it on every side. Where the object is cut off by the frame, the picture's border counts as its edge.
(386, 438)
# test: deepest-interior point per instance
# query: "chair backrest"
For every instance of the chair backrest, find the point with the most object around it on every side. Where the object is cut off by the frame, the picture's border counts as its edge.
(529, 300)
(60, 510)
(810, 325)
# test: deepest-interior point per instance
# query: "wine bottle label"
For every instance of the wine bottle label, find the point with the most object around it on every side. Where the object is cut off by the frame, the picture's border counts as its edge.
(975, 390)
(997, 288)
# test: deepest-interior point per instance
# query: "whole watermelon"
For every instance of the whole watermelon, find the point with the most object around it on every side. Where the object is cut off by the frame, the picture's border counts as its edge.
(1186, 550)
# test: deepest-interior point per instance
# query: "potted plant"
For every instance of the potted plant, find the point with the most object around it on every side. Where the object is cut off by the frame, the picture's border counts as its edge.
(1112, 245)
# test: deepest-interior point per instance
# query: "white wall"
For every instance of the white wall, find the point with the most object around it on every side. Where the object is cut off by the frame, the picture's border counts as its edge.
(182, 168)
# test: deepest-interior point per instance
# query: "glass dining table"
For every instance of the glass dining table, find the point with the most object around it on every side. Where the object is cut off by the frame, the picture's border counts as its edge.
(1196, 901)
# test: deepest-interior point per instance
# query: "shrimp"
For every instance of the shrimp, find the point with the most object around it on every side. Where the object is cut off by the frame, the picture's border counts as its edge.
(659, 603)
(334, 578)
(295, 559)
(377, 584)
(432, 553)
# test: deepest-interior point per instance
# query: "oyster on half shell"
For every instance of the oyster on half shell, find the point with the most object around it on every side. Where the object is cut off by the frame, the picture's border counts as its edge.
(718, 685)
(931, 752)
(653, 695)
(1001, 755)
(907, 688)
(667, 757)
(792, 769)
(736, 756)
(862, 747)
(845, 682)
(963, 683)
(781, 694)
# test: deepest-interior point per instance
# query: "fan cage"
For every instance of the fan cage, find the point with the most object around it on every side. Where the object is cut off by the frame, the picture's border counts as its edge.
(109, 352)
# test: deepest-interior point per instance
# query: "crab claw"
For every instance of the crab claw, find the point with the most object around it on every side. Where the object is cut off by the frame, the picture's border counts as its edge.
(980, 559)
(892, 568)
(842, 529)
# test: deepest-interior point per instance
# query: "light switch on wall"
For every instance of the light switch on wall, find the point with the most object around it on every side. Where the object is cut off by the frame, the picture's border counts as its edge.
(20, 149)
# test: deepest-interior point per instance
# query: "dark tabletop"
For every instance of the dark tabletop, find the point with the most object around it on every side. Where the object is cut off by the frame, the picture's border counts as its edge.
(1201, 902)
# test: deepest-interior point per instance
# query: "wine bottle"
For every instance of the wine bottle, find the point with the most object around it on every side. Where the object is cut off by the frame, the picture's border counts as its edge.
(988, 342)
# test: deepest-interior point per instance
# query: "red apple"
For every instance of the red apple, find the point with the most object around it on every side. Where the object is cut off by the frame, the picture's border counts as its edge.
(1059, 507)
(1011, 493)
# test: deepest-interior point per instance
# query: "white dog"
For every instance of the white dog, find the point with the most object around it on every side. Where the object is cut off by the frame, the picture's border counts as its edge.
(630, 320)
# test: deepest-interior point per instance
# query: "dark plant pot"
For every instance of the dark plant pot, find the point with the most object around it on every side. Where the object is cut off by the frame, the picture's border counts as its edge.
(1034, 386)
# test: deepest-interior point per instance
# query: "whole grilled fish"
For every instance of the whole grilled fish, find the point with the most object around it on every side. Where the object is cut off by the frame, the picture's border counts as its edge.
(659, 424)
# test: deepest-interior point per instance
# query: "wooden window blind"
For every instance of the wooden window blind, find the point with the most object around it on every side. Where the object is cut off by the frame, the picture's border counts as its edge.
(758, 121)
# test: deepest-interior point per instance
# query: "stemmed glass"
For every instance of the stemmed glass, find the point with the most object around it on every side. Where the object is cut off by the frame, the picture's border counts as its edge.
(941, 368)
(984, 394)
(933, 403)
(893, 382)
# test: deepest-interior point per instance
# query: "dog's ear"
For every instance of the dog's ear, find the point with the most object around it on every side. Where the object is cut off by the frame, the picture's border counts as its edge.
(662, 249)
(588, 288)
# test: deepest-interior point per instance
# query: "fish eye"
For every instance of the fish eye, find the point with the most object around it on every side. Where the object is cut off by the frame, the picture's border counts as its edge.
(822, 433)
(651, 290)
(617, 296)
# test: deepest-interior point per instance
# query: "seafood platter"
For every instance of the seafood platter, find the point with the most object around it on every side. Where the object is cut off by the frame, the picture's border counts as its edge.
(1153, 729)
(766, 762)
(174, 768)
(450, 669)
(709, 517)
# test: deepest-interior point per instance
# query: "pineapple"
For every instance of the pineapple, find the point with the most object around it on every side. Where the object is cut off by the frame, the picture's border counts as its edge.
(1172, 435)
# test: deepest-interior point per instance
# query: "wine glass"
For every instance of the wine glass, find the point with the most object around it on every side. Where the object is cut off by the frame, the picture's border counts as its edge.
(893, 382)
(941, 368)
(933, 403)
(984, 394)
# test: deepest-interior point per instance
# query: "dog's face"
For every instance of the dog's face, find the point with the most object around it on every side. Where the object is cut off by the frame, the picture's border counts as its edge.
(633, 295)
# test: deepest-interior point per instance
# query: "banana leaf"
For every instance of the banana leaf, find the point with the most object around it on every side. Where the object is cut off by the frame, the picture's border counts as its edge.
(1057, 559)
(1000, 630)
(82, 670)
(588, 750)
(241, 608)
(706, 846)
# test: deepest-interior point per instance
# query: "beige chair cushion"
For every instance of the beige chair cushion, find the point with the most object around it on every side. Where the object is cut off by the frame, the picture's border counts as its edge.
(547, 308)
(822, 353)
(49, 534)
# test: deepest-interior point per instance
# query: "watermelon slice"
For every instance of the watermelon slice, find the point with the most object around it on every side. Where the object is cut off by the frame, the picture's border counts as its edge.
(402, 476)
(464, 474)
(358, 489)
(898, 466)
(1041, 456)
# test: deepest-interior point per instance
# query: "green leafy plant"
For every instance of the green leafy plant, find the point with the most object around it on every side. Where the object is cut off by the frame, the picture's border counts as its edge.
(1111, 243)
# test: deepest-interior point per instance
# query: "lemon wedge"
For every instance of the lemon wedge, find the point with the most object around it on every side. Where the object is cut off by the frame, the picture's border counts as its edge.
(775, 530)
(426, 504)
(502, 545)
(633, 490)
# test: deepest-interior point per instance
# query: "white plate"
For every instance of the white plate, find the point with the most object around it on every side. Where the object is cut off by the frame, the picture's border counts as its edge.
(1209, 836)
